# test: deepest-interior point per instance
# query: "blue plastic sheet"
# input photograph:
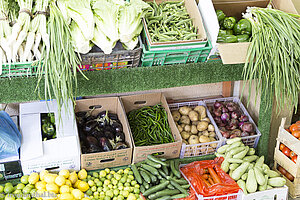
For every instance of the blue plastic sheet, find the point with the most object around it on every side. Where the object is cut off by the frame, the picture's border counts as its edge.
(10, 137)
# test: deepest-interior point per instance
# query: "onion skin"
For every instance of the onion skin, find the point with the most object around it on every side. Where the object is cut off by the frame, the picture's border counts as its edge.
(218, 104)
(248, 127)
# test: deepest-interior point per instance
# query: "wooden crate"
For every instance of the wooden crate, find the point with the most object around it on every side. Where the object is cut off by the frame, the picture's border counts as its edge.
(294, 189)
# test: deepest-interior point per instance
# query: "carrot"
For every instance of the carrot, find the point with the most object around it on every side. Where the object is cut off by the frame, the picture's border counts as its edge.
(205, 176)
(205, 181)
(211, 181)
(214, 175)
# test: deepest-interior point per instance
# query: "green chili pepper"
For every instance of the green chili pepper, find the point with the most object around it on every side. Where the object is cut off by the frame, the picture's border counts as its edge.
(221, 15)
(227, 39)
(229, 22)
(52, 117)
(243, 27)
(48, 129)
(243, 38)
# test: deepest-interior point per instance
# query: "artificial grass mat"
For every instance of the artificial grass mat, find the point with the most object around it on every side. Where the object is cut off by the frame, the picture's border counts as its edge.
(127, 80)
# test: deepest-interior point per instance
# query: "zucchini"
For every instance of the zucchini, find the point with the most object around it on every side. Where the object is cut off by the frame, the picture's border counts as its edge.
(162, 193)
(259, 176)
(153, 164)
(230, 172)
(234, 145)
(177, 186)
(150, 169)
(223, 149)
(156, 188)
(239, 171)
(145, 176)
(271, 173)
(251, 184)
(264, 186)
(179, 196)
(233, 140)
(225, 166)
(235, 160)
(228, 155)
(244, 176)
(174, 170)
(237, 150)
(242, 154)
(260, 162)
(251, 152)
(233, 166)
(219, 155)
(242, 185)
(157, 160)
(136, 174)
(269, 187)
(265, 167)
(276, 182)
(250, 158)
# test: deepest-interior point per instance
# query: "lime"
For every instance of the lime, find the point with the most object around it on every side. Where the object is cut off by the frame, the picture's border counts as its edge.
(27, 189)
(133, 183)
(118, 177)
(131, 197)
(8, 188)
(110, 186)
(123, 179)
(116, 192)
(102, 179)
(8, 184)
(112, 172)
(121, 187)
(130, 177)
(99, 184)
(126, 171)
(94, 188)
(99, 189)
(20, 186)
(10, 197)
(17, 191)
(1, 188)
(109, 176)
(107, 198)
(95, 174)
(106, 182)
(91, 183)
(121, 171)
(109, 193)
(89, 192)
(125, 193)
(137, 186)
(126, 184)
(130, 172)
(120, 197)
(136, 190)
(24, 179)
(33, 192)
(107, 170)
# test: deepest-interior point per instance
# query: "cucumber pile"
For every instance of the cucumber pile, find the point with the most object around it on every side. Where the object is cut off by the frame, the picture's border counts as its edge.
(246, 168)
(160, 179)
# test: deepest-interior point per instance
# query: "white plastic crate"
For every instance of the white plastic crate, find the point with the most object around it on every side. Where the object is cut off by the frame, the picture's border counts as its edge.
(201, 148)
(272, 194)
(233, 196)
(250, 141)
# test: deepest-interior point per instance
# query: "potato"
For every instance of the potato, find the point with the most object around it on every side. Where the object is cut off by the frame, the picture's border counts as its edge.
(211, 128)
(184, 110)
(182, 125)
(201, 110)
(195, 123)
(194, 139)
(204, 139)
(194, 129)
(185, 119)
(205, 133)
(179, 128)
(187, 128)
(199, 134)
(185, 142)
(214, 145)
(202, 126)
(176, 115)
(206, 119)
(185, 135)
(203, 149)
(193, 115)
(212, 134)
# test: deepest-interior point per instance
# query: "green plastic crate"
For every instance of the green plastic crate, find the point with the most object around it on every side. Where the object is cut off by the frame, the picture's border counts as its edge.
(26, 69)
(178, 56)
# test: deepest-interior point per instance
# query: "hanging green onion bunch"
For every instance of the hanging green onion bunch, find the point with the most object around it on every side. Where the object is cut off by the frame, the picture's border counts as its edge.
(274, 55)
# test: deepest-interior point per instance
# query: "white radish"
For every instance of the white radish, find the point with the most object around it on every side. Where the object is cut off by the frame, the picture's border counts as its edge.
(35, 48)
(28, 47)
(16, 45)
(20, 51)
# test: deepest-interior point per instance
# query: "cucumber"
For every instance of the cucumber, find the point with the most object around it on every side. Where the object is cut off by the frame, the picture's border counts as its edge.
(179, 196)
(251, 152)
(181, 181)
(153, 164)
(164, 198)
(223, 149)
(145, 176)
(250, 158)
(152, 177)
(239, 171)
(177, 186)
(241, 154)
(259, 176)
(242, 185)
(160, 171)
(136, 174)
(187, 186)
(171, 187)
(234, 140)
(162, 193)
(174, 170)
(165, 169)
(146, 185)
(157, 160)
(142, 189)
(251, 183)
(156, 188)
(225, 166)
(150, 169)
(176, 164)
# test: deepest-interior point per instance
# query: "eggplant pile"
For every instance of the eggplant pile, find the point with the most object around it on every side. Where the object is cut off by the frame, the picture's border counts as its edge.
(230, 120)
(100, 133)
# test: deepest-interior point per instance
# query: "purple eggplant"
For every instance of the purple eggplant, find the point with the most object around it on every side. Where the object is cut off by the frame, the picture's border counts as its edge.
(90, 125)
(94, 149)
(117, 127)
(91, 140)
(105, 144)
(120, 145)
(120, 137)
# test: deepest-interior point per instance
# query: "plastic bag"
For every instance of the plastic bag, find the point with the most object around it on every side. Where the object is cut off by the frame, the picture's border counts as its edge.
(193, 172)
(10, 137)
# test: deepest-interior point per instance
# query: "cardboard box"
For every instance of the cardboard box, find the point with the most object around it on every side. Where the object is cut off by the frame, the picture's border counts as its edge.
(93, 161)
(169, 150)
(194, 14)
(54, 154)
(234, 53)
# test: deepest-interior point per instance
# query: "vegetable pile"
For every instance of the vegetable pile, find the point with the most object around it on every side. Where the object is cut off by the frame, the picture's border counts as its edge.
(169, 21)
(195, 127)
(160, 179)
(246, 168)
(48, 126)
(230, 120)
(232, 30)
(294, 129)
(149, 126)
(286, 151)
(100, 133)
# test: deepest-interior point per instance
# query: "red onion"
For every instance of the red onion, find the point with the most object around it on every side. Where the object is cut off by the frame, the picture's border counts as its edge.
(241, 124)
(244, 134)
(244, 118)
(234, 122)
(252, 133)
(225, 117)
(233, 136)
(235, 115)
(222, 124)
(248, 127)
(217, 113)
(217, 119)
(231, 127)
(237, 132)
(218, 104)
(224, 110)
(231, 106)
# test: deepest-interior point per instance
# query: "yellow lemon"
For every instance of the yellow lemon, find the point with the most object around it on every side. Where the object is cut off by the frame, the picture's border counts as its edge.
(73, 177)
(76, 184)
(64, 173)
(83, 186)
(86, 198)
(43, 173)
(71, 189)
(66, 196)
(52, 187)
(50, 178)
(33, 178)
(64, 189)
(40, 185)
(77, 194)
(68, 183)
(82, 174)
(60, 180)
